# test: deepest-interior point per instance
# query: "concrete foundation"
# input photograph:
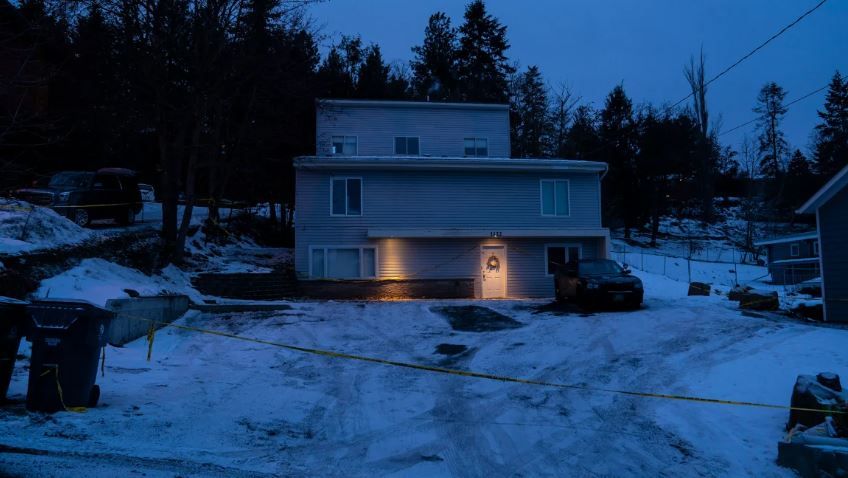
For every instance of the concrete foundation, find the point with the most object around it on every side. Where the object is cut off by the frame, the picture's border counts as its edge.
(130, 324)
(387, 289)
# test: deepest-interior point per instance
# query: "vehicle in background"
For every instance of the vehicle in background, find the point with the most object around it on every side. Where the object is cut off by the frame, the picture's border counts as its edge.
(148, 194)
(597, 282)
(109, 193)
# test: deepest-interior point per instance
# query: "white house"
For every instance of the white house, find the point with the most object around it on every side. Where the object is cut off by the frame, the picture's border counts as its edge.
(425, 194)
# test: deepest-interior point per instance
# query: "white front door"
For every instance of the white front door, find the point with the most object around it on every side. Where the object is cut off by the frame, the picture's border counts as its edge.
(493, 270)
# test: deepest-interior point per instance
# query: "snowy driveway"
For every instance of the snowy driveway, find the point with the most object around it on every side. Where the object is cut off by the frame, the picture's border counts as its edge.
(214, 406)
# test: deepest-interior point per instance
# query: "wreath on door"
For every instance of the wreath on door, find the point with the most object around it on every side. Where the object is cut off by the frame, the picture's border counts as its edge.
(493, 263)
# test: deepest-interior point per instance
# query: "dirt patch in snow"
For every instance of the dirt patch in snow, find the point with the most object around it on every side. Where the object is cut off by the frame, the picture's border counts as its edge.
(450, 349)
(474, 318)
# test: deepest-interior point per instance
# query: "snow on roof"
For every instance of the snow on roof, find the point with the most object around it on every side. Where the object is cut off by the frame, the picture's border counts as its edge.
(447, 163)
(836, 184)
(801, 260)
(790, 238)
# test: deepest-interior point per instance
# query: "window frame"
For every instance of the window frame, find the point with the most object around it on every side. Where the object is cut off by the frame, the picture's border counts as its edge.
(347, 205)
(344, 137)
(360, 248)
(542, 197)
(475, 138)
(816, 250)
(565, 245)
(407, 138)
(794, 249)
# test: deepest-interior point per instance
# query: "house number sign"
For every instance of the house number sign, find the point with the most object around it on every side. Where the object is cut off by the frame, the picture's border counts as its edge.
(495, 234)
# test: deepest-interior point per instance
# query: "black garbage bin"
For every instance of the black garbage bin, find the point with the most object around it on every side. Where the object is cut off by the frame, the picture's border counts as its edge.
(67, 337)
(12, 328)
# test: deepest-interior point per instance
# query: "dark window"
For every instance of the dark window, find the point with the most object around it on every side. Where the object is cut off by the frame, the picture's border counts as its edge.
(406, 145)
(557, 256)
(107, 182)
(346, 196)
(476, 147)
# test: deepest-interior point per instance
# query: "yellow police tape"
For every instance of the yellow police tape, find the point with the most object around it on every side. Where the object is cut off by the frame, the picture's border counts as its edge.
(55, 370)
(485, 376)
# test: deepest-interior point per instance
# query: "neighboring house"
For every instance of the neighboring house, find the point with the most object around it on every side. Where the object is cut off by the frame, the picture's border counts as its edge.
(419, 192)
(830, 205)
(792, 259)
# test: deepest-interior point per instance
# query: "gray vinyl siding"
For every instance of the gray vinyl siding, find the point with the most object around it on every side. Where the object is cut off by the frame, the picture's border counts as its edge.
(777, 252)
(423, 199)
(833, 229)
(441, 130)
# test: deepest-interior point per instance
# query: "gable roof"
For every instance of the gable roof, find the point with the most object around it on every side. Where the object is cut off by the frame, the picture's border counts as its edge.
(826, 193)
(790, 238)
(447, 163)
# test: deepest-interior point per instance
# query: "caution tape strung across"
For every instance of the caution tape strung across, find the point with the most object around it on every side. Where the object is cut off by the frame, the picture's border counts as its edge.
(471, 374)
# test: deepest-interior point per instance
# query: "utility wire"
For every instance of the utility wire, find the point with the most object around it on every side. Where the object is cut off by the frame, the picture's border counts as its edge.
(754, 51)
(787, 105)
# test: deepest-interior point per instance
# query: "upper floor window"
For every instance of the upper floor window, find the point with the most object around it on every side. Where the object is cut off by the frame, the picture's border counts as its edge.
(794, 249)
(406, 145)
(344, 145)
(477, 147)
(555, 197)
(815, 248)
(346, 197)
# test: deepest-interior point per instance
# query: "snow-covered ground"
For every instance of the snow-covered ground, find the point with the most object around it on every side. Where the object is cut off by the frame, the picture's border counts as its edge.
(215, 406)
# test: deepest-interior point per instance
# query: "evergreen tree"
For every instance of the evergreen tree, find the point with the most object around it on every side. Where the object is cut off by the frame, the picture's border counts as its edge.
(617, 136)
(373, 75)
(334, 77)
(483, 68)
(800, 181)
(434, 67)
(582, 140)
(773, 148)
(831, 136)
(530, 125)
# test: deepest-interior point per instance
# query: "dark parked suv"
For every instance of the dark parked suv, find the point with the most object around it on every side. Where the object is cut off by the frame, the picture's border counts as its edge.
(598, 282)
(109, 193)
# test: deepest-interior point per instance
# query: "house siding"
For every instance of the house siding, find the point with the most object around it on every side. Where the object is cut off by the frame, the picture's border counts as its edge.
(441, 130)
(833, 229)
(428, 199)
(792, 273)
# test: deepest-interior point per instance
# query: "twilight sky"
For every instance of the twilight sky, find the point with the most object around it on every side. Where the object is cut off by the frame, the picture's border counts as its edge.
(593, 45)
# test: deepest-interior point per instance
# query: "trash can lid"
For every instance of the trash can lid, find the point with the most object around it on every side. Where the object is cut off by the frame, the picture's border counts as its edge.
(69, 304)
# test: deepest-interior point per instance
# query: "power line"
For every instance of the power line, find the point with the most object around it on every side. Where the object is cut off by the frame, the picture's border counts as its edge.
(787, 105)
(755, 50)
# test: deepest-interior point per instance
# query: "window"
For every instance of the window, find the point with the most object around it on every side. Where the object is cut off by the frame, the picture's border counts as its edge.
(815, 248)
(477, 147)
(342, 262)
(346, 197)
(560, 254)
(794, 249)
(107, 182)
(406, 145)
(555, 197)
(344, 145)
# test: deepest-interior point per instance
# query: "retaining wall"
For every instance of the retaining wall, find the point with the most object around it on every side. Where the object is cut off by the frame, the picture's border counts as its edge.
(127, 325)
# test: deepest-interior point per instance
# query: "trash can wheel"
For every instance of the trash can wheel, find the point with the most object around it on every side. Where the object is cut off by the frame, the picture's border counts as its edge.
(94, 396)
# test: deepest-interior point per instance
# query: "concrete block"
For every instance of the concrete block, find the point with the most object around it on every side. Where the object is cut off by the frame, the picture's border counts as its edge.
(133, 316)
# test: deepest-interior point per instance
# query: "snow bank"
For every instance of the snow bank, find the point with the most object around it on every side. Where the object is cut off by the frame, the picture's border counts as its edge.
(24, 228)
(97, 281)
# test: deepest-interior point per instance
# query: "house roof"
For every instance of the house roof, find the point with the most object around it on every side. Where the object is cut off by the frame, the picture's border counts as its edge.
(826, 193)
(801, 260)
(412, 104)
(434, 233)
(790, 238)
(448, 163)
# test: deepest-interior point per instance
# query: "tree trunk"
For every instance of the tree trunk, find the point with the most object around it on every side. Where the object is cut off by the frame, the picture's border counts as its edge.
(191, 175)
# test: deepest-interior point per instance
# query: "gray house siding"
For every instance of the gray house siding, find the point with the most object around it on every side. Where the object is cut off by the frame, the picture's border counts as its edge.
(440, 128)
(793, 273)
(456, 199)
(833, 230)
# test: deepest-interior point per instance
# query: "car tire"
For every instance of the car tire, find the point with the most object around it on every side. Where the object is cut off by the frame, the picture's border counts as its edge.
(81, 217)
(128, 218)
